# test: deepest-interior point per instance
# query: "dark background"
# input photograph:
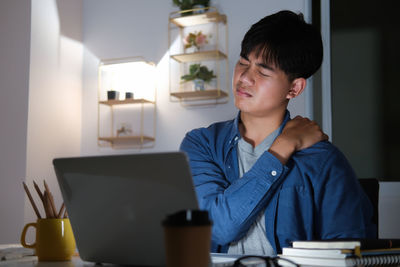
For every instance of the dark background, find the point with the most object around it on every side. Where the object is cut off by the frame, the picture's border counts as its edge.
(365, 72)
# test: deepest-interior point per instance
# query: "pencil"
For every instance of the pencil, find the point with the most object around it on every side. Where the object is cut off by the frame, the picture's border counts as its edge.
(41, 197)
(31, 200)
(61, 211)
(38, 191)
(50, 196)
(48, 208)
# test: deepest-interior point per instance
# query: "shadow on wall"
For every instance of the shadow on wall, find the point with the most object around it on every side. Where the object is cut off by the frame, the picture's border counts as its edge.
(68, 27)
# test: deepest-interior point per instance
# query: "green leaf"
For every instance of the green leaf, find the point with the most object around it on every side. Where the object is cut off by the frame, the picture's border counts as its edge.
(196, 71)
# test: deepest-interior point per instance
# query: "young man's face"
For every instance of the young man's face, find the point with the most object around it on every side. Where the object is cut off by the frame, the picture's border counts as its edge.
(259, 89)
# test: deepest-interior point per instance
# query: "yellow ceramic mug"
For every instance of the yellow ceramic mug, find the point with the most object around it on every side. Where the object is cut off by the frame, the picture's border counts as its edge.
(54, 239)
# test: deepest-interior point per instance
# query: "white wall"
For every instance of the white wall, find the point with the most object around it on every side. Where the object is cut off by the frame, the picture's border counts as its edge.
(114, 29)
(15, 21)
(55, 86)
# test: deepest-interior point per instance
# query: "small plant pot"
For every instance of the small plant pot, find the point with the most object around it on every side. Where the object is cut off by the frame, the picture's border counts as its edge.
(112, 95)
(198, 85)
(200, 11)
(128, 95)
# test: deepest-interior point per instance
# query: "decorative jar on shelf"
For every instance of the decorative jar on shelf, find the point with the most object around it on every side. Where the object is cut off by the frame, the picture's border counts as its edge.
(128, 95)
(112, 95)
(199, 75)
(198, 85)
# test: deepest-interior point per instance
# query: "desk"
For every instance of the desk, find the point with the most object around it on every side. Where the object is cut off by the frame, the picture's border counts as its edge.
(220, 260)
(18, 256)
(31, 261)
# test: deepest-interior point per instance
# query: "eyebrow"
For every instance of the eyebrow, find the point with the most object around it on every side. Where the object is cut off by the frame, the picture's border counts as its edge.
(245, 57)
(265, 66)
(262, 65)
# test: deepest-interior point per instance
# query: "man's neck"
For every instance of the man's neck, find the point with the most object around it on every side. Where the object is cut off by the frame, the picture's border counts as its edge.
(254, 129)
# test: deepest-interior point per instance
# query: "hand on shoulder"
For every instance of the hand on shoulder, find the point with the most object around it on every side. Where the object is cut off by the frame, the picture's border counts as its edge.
(303, 132)
(298, 133)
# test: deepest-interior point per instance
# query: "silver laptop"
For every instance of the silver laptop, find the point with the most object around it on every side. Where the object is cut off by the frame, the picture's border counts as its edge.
(116, 203)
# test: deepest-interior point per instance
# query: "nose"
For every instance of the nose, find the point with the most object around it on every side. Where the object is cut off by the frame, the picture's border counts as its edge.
(246, 76)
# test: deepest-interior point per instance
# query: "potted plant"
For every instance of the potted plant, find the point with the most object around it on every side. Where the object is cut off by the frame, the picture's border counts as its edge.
(191, 4)
(199, 75)
(196, 39)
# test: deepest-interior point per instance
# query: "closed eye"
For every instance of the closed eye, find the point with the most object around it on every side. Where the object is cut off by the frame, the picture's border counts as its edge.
(263, 74)
(243, 61)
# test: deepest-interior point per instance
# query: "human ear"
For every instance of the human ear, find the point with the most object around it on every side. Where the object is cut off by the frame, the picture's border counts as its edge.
(296, 88)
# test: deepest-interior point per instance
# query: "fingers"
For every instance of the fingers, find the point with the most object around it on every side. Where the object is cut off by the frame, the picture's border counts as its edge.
(300, 118)
(303, 132)
(300, 121)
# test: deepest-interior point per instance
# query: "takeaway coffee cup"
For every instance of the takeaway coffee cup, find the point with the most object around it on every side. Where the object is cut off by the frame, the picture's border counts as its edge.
(54, 239)
(187, 236)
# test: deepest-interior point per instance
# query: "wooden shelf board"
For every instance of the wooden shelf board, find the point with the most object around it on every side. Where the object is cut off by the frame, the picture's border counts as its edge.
(191, 20)
(125, 102)
(206, 94)
(199, 56)
(131, 139)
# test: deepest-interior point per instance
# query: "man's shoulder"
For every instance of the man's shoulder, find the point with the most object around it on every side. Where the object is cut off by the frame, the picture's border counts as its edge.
(216, 137)
(214, 129)
(323, 161)
(320, 149)
(320, 155)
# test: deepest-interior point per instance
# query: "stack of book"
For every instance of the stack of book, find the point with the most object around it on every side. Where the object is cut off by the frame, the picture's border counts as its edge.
(360, 252)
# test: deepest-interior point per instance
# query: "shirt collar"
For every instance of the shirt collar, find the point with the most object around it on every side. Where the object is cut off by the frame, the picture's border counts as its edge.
(235, 134)
(285, 120)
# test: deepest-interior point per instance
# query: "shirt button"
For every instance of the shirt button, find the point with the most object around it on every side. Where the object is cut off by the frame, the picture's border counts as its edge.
(273, 173)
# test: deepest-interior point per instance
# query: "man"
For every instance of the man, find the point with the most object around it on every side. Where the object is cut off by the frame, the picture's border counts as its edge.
(267, 180)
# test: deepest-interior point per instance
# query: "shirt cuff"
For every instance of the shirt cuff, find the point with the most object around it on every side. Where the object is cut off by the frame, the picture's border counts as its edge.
(268, 167)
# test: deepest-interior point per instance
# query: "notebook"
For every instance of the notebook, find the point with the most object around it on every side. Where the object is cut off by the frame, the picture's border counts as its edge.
(344, 252)
(116, 203)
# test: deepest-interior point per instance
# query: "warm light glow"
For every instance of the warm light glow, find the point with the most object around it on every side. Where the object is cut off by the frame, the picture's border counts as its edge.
(128, 76)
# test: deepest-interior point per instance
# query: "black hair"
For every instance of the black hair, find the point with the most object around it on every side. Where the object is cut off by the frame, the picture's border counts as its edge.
(285, 40)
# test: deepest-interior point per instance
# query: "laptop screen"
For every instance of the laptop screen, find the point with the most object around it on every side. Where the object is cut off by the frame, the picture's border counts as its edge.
(116, 203)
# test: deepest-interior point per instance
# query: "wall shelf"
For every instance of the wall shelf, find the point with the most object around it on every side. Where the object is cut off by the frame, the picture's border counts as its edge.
(125, 102)
(206, 94)
(199, 56)
(131, 139)
(198, 19)
(129, 122)
(185, 52)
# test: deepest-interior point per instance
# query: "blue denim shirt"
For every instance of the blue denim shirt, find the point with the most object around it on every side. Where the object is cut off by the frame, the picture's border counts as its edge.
(314, 196)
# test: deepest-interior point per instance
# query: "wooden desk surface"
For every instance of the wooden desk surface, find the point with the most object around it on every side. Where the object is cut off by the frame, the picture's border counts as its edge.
(32, 261)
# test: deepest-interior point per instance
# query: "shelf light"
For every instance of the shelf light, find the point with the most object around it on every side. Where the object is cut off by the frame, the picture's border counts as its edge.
(128, 75)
